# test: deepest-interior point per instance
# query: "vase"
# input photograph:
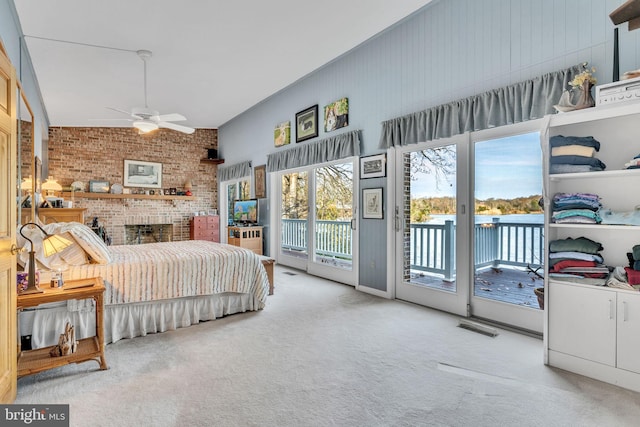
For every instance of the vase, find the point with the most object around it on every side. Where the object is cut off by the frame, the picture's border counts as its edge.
(585, 100)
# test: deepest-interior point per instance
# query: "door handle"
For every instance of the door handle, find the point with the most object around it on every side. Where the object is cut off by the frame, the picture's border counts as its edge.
(353, 223)
(16, 250)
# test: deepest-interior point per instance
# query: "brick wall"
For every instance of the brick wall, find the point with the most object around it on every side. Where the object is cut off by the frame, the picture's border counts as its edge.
(84, 154)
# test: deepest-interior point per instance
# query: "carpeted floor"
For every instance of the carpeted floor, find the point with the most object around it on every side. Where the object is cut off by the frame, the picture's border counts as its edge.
(323, 354)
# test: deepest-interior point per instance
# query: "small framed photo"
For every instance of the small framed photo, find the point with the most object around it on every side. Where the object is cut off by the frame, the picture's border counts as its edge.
(260, 181)
(142, 174)
(372, 203)
(173, 191)
(98, 186)
(307, 124)
(373, 166)
(336, 115)
(282, 134)
(167, 191)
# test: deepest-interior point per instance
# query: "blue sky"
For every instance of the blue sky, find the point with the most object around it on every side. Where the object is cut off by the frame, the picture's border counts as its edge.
(505, 168)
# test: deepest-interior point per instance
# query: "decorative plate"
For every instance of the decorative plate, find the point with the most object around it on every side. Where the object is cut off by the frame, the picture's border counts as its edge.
(77, 186)
(116, 189)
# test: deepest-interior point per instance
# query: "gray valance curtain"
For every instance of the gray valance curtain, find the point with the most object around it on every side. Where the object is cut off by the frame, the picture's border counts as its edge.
(239, 170)
(325, 150)
(528, 100)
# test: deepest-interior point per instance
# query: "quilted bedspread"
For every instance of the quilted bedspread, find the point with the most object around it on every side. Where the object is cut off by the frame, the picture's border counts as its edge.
(158, 271)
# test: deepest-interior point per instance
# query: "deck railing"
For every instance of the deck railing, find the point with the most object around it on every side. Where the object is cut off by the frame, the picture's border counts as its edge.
(432, 245)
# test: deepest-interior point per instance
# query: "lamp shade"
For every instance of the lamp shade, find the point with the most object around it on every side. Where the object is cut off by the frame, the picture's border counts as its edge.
(51, 184)
(26, 184)
(188, 185)
(54, 243)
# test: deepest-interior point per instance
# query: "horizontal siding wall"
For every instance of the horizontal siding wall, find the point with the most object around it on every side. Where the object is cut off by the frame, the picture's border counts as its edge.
(449, 50)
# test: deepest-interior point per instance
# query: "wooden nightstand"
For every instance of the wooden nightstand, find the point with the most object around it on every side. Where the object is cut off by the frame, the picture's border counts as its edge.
(33, 361)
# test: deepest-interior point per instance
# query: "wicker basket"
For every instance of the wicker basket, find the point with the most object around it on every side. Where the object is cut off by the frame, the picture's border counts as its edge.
(540, 294)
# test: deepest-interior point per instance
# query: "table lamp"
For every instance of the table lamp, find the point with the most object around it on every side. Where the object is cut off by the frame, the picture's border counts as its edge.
(51, 244)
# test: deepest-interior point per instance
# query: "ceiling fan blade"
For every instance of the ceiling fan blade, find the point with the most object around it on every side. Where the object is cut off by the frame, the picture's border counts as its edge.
(174, 117)
(174, 126)
(110, 120)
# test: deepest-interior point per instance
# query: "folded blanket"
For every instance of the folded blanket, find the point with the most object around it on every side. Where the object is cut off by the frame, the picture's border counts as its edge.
(636, 252)
(567, 263)
(587, 141)
(575, 255)
(580, 244)
(587, 213)
(566, 168)
(578, 160)
(573, 150)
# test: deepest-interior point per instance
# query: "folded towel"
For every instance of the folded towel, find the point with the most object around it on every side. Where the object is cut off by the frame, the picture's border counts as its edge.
(633, 276)
(581, 244)
(636, 252)
(573, 150)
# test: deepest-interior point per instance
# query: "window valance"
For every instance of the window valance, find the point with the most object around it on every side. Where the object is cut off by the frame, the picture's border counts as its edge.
(239, 170)
(528, 100)
(325, 150)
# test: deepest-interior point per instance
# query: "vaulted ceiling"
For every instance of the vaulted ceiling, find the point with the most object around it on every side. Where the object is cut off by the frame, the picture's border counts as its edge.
(211, 60)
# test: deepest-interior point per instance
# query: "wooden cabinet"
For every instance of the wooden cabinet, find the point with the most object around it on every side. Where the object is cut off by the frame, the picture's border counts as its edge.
(246, 237)
(594, 330)
(34, 361)
(206, 227)
(49, 215)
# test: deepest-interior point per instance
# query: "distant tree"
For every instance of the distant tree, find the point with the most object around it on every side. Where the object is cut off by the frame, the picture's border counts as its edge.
(439, 161)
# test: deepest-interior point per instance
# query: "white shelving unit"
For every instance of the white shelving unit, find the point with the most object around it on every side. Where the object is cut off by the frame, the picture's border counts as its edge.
(591, 330)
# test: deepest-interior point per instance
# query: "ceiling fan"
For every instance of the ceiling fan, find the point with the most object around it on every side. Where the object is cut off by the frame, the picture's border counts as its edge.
(145, 119)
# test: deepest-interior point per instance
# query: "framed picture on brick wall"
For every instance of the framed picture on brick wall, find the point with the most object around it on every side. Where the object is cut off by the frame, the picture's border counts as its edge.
(142, 174)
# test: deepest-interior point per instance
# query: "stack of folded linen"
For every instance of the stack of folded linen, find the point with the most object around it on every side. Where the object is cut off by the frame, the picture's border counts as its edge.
(577, 260)
(574, 154)
(578, 208)
(633, 271)
(633, 163)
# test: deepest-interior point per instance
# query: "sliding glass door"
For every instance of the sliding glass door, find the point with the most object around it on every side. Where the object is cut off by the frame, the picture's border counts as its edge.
(470, 226)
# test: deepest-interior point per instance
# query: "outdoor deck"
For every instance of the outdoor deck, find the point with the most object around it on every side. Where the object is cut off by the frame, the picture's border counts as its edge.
(506, 284)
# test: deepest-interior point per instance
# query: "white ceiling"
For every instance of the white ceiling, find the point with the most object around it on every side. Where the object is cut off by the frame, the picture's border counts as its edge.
(211, 60)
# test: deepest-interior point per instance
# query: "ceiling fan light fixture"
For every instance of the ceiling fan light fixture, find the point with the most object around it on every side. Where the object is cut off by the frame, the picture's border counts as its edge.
(145, 126)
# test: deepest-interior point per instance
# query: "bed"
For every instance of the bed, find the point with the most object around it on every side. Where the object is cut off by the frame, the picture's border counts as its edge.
(150, 288)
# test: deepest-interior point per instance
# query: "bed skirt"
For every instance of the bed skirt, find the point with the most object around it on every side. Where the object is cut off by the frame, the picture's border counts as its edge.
(132, 320)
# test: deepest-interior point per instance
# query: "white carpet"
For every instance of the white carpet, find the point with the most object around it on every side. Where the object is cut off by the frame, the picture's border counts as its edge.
(323, 354)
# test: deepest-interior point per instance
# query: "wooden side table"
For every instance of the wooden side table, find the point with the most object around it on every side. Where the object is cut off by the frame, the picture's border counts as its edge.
(34, 361)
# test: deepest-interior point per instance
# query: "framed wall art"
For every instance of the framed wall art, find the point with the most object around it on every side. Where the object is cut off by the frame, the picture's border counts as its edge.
(260, 181)
(336, 115)
(307, 124)
(142, 174)
(98, 186)
(372, 203)
(373, 166)
(282, 134)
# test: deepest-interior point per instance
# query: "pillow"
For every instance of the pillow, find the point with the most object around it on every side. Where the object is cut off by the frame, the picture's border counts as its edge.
(93, 245)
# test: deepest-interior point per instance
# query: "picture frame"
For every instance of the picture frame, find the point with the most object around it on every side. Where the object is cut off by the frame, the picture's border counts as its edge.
(260, 181)
(373, 166)
(336, 115)
(307, 123)
(282, 134)
(372, 203)
(142, 174)
(96, 186)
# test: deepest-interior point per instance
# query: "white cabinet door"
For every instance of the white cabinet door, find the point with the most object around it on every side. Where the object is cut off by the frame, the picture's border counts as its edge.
(583, 322)
(629, 331)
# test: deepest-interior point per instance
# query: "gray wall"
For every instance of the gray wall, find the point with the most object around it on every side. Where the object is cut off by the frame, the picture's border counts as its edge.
(449, 50)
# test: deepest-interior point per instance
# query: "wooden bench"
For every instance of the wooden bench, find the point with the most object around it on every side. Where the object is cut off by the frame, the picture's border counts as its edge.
(268, 265)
